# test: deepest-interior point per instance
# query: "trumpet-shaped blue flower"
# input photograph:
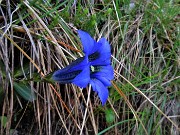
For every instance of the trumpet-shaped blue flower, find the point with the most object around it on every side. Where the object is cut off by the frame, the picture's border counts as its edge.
(94, 68)
(77, 73)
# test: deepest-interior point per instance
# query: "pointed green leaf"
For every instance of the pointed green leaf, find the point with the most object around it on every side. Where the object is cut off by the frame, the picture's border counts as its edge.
(3, 121)
(24, 90)
(19, 71)
(110, 116)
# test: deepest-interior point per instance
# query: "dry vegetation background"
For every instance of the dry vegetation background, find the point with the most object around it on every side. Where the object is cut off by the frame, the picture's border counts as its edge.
(39, 37)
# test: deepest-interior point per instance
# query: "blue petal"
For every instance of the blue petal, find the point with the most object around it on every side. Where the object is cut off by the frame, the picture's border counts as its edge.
(99, 53)
(77, 72)
(87, 42)
(104, 74)
(100, 89)
(104, 80)
(83, 78)
(103, 48)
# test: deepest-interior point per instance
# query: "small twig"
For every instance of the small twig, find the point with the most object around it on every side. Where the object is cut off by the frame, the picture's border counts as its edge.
(84, 119)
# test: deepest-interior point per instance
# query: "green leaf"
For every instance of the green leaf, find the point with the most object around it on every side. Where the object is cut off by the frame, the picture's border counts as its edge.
(110, 127)
(36, 77)
(18, 72)
(48, 78)
(24, 90)
(3, 121)
(110, 116)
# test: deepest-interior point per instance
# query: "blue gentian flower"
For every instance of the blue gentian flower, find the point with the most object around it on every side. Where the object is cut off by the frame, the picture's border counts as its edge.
(77, 73)
(94, 68)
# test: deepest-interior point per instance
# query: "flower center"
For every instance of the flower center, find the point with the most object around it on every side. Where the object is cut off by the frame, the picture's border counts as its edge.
(92, 69)
(95, 69)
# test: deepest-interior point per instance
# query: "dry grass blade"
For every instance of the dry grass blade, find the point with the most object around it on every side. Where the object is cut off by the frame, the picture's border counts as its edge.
(85, 113)
(49, 32)
(130, 106)
(151, 102)
(22, 30)
(43, 75)
(40, 37)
